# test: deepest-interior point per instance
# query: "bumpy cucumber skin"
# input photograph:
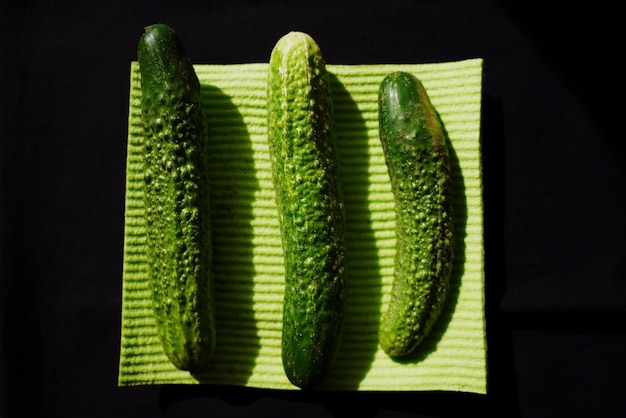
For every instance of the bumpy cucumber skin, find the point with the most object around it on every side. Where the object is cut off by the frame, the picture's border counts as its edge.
(418, 163)
(176, 199)
(310, 207)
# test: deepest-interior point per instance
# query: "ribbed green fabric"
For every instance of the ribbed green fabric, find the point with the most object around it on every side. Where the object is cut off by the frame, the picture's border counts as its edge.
(246, 239)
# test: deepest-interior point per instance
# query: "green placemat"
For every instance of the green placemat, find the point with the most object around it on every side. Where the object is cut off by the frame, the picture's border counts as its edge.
(247, 251)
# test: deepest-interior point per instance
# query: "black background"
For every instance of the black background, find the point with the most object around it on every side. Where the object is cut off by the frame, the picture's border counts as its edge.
(553, 192)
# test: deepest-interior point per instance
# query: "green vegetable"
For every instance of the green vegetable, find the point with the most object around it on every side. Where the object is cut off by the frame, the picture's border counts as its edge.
(310, 207)
(417, 158)
(176, 199)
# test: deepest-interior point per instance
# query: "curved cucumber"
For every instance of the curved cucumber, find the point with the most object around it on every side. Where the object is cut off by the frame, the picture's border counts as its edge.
(176, 199)
(417, 159)
(310, 207)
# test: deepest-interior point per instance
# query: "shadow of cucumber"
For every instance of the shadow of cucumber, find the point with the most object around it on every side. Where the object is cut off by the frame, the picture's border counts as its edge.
(233, 184)
(363, 279)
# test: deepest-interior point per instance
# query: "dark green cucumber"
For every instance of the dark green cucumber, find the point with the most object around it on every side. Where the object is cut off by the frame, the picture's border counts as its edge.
(176, 199)
(310, 207)
(418, 163)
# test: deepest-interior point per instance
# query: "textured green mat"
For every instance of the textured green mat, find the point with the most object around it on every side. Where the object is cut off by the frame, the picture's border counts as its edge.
(247, 251)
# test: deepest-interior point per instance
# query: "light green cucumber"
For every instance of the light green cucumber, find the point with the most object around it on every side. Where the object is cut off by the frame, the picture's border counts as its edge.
(176, 199)
(418, 163)
(310, 207)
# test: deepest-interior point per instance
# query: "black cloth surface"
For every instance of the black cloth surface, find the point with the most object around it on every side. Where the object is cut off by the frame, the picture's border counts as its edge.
(555, 240)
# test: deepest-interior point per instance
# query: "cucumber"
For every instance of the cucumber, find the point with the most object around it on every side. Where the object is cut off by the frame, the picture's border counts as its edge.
(418, 163)
(310, 207)
(176, 199)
